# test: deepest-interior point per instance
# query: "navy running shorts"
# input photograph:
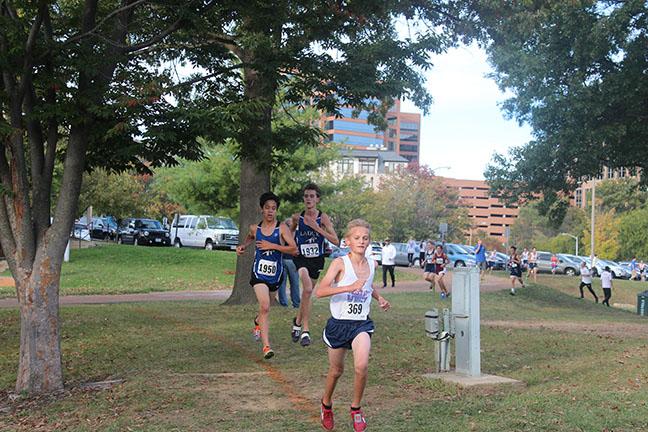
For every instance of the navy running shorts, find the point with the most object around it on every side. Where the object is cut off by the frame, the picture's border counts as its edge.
(272, 287)
(313, 265)
(341, 333)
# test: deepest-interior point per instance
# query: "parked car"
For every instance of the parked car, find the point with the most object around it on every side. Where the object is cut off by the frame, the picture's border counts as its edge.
(618, 272)
(204, 231)
(401, 255)
(103, 228)
(81, 232)
(376, 252)
(143, 232)
(565, 265)
(337, 251)
(459, 256)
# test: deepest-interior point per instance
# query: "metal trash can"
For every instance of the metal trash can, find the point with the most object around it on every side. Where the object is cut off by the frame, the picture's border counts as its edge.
(642, 303)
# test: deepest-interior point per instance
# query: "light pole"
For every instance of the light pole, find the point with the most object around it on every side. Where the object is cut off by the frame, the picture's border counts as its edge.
(574, 237)
(593, 224)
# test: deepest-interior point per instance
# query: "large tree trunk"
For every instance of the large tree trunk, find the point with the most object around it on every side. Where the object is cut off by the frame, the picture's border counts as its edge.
(254, 182)
(39, 367)
(256, 157)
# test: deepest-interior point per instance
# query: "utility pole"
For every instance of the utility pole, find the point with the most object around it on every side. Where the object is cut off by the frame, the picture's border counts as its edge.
(593, 224)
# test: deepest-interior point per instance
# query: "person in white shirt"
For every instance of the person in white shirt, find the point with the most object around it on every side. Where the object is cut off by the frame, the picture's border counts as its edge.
(411, 248)
(586, 281)
(388, 262)
(606, 283)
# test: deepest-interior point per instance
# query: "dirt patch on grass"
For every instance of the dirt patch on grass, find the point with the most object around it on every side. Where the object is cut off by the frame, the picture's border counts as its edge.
(638, 331)
(232, 392)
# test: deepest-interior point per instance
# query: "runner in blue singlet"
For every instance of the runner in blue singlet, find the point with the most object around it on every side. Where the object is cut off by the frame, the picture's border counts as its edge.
(311, 228)
(271, 239)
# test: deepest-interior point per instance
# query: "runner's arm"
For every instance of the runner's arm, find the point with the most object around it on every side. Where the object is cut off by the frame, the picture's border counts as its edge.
(326, 288)
(384, 304)
(328, 231)
(240, 249)
(289, 239)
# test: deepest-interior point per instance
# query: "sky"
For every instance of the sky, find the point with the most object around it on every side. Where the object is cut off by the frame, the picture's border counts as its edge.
(465, 125)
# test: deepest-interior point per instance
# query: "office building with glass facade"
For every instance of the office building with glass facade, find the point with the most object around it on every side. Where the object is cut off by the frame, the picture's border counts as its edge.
(402, 135)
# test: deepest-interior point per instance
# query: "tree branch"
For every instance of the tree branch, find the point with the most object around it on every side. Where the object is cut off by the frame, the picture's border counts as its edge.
(103, 21)
(227, 42)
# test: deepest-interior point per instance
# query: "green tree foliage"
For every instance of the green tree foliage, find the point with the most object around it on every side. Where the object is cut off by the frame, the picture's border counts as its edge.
(74, 94)
(633, 234)
(211, 185)
(606, 236)
(326, 54)
(621, 195)
(578, 73)
(533, 229)
(413, 203)
(207, 186)
(125, 194)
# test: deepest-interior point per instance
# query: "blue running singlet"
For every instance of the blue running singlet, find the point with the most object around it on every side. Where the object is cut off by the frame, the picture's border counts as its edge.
(310, 243)
(268, 264)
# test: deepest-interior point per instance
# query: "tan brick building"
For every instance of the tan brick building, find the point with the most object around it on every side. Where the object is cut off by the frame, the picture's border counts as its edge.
(486, 212)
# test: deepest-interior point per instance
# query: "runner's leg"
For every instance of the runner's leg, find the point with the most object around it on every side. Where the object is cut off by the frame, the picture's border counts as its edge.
(336, 368)
(263, 297)
(361, 348)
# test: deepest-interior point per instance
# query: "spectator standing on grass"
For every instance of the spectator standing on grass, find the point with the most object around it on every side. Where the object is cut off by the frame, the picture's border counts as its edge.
(348, 282)
(388, 262)
(642, 270)
(606, 283)
(492, 260)
(411, 249)
(480, 257)
(515, 264)
(586, 281)
(290, 275)
(633, 268)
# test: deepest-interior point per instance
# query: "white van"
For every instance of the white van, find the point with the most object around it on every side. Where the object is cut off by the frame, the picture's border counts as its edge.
(204, 231)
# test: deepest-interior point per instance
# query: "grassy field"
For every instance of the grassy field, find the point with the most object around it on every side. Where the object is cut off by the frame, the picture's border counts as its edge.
(192, 366)
(124, 269)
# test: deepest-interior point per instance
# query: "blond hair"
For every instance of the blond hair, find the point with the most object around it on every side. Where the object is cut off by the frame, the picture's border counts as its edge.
(357, 223)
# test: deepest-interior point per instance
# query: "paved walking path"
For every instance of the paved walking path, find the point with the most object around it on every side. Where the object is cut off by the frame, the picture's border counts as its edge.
(490, 284)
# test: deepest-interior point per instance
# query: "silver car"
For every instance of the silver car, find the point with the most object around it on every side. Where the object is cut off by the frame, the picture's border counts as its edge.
(565, 266)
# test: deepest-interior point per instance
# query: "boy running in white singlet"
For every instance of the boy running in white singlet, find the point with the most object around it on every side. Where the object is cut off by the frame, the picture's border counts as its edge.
(272, 239)
(348, 282)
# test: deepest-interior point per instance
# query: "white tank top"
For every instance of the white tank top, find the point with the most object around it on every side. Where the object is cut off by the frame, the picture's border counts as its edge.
(353, 306)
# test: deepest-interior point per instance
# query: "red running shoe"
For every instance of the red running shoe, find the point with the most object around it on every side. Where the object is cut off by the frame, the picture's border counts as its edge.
(359, 422)
(327, 418)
